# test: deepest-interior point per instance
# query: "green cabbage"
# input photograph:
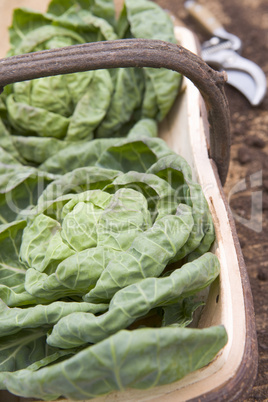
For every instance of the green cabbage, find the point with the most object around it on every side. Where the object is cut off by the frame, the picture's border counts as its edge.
(101, 274)
(38, 118)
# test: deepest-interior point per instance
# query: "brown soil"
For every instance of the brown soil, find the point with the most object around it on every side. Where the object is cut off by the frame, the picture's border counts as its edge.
(249, 158)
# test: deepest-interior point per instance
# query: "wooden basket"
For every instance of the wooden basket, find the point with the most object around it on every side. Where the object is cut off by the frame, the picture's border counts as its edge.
(187, 131)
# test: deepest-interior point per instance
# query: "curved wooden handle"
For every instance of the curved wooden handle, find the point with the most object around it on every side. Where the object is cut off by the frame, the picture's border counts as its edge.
(135, 53)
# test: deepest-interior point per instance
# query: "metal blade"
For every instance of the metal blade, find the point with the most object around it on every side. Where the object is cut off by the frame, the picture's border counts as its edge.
(243, 74)
(245, 84)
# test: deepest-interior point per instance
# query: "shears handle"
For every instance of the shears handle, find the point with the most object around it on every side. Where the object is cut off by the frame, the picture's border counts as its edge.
(204, 17)
(211, 25)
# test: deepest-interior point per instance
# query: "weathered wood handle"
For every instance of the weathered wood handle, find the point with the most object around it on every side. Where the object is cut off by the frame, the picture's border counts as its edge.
(135, 53)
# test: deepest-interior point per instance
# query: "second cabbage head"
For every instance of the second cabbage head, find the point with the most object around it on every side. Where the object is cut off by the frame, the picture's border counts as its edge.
(40, 117)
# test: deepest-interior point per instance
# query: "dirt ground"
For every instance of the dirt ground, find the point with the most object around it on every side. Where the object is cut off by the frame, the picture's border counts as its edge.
(249, 158)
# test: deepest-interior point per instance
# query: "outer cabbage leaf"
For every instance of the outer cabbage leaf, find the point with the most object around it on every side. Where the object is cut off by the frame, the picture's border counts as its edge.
(36, 150)
(161, 197)
(137, 152)
(20, 186)
(76, 155)
(76, 23)
(78, 181)
(127, 97)
(135, 301)
(7, 143)
(29, 119)
(24, 20)
(181, 313)
(42, 246)
(144, 128)
(14, 320)
(74, 276)
(141, 359)
(41, 38)
(175, 169)
(83, 21)
(147, 20)
(100, 8)
(15, 351)
(12, 271)
(91, 107)
(127, 156)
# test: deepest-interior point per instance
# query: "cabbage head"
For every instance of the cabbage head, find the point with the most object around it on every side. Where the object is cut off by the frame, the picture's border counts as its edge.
(40, 117)
(101, 275)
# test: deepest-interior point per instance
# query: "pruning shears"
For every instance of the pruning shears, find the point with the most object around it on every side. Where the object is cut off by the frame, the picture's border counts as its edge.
(223, 52)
